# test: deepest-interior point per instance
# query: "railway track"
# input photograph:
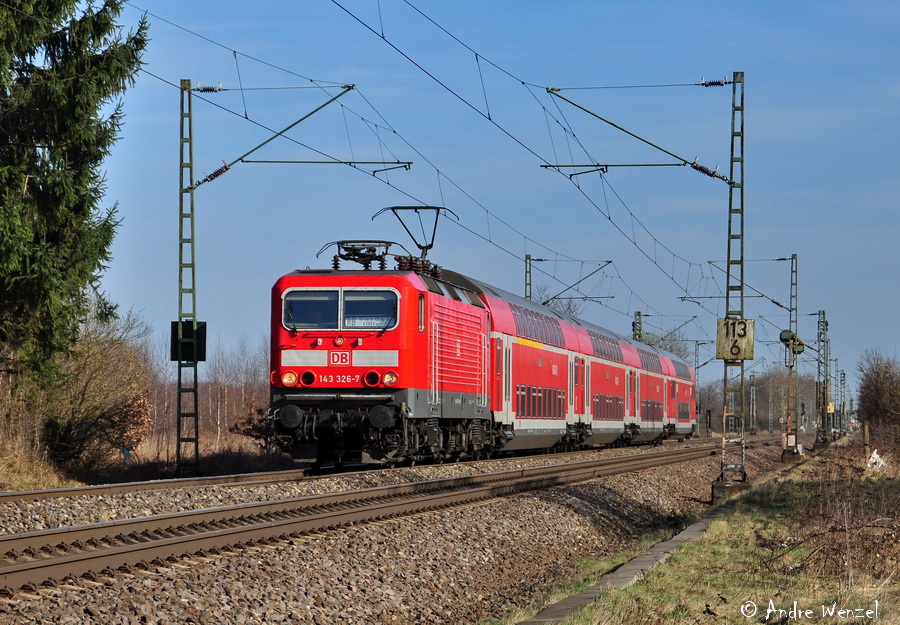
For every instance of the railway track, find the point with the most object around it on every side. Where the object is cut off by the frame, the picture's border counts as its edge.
(249, 479)
(246, 479)
(47, 557)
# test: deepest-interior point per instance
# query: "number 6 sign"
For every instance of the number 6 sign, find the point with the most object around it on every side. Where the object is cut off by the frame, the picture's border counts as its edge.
(734, 339)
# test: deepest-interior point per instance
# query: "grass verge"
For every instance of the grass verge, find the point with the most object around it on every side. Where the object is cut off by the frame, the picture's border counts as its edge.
(28, 470)
(818, 544)
(585, 572)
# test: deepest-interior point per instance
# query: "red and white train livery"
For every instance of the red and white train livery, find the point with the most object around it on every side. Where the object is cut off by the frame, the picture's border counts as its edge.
(420, 363)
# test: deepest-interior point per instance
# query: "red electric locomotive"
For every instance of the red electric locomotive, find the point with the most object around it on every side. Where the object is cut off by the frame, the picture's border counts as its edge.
(419, 363)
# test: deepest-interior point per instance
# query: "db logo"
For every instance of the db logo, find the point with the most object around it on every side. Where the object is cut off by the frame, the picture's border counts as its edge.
(339, 359)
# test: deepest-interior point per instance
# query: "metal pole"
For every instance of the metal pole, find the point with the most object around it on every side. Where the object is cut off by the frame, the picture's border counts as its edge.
(187, 454)
(733, 476)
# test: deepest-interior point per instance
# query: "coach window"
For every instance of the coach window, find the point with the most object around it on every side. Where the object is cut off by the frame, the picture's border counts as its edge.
(531, 332)
(311, 310)
(370, 310)
(517, 317)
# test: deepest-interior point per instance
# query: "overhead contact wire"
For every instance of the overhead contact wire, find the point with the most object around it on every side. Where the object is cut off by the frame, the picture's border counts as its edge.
(240, 83)
(322, 85)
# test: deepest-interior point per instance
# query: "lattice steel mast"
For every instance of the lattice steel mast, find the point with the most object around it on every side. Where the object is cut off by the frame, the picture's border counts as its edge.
(734, 287)
(735, 335)
(186, 334)
(822, 396)
(793, 348)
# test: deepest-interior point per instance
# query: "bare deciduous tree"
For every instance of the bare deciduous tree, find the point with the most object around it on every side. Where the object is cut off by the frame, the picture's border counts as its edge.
(100, 404)
(879, 395)
(570, 307)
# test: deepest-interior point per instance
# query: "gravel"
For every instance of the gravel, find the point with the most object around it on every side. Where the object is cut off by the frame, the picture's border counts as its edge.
(41, 514)
(455, 566)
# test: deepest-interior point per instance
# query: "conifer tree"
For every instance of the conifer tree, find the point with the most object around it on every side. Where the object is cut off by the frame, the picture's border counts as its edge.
(64, 64)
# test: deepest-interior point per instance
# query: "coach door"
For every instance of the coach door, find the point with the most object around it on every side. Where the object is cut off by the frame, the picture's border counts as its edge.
(633, 393)
(578, 390)
(501, 386)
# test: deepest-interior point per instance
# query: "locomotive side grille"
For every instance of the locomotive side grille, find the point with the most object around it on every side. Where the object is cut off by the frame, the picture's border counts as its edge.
(459, 343)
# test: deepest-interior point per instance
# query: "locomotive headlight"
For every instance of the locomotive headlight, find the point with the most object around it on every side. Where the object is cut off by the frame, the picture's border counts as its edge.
(289, 378)
(390, 378)
(339, 340)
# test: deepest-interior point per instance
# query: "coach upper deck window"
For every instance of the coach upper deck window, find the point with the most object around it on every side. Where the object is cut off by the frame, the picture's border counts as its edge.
(311, 310)
(370, 310)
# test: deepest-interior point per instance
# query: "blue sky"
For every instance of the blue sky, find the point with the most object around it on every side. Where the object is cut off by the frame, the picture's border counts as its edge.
(459, 89)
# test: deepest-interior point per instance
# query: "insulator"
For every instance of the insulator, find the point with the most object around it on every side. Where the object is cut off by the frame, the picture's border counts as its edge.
(703, 169)
(336, 262)
(715, 83)
(382, 263)
(221, 170)
(436, 271)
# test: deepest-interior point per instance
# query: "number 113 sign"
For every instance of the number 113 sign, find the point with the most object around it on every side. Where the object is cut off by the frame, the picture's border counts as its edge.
(734, 339)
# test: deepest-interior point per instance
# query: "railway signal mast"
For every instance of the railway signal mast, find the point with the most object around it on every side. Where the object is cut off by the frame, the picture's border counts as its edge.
(823, 404)
(793, 347)
(734, 336)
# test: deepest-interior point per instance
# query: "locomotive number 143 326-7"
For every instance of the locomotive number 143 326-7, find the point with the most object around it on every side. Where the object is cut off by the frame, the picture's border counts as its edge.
(339, 379)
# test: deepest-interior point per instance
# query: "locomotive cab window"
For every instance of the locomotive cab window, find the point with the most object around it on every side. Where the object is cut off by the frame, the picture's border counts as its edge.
(370, 310)
(311, 310)
(340, 310)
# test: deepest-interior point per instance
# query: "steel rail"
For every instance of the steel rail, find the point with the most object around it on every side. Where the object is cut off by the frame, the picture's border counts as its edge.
(33, 543)
(46, 556)
(241, 479)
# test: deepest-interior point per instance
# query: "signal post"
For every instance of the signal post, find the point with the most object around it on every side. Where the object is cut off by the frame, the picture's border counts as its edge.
(734, 336)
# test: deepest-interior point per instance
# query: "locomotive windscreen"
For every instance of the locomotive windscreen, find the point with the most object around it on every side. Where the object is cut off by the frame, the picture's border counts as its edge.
(370, 309)
(340, 309)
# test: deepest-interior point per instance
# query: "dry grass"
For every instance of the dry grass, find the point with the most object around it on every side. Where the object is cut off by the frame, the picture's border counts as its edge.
(21, 469)
(226, 454)
(824, 534)
(827, 534)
